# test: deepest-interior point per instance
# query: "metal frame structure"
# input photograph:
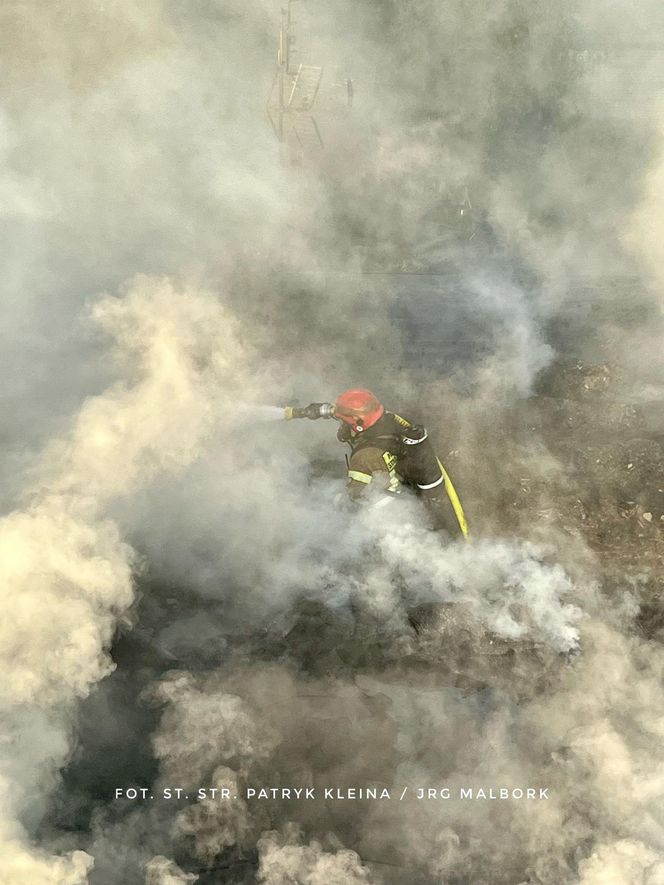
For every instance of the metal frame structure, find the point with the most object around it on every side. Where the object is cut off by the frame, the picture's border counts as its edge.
(294, 90)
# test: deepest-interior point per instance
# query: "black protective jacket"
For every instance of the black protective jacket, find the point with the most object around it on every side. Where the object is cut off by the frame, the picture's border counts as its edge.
(394, 451)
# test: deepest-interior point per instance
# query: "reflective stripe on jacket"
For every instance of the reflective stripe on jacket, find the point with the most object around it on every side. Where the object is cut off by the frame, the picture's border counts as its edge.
(392, 451)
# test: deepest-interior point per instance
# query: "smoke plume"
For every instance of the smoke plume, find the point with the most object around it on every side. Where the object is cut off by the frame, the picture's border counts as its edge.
(472, 229)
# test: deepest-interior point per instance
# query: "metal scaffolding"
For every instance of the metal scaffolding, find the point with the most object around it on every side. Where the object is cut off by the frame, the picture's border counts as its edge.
(294, 90)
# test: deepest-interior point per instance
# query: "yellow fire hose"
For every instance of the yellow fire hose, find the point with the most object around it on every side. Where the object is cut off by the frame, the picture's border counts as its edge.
(454, 501)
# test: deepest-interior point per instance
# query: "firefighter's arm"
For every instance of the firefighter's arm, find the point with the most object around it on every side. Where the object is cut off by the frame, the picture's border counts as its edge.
(366, 469)
(423, 466)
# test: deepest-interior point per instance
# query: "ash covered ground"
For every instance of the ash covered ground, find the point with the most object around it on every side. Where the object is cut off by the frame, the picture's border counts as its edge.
(478, 240)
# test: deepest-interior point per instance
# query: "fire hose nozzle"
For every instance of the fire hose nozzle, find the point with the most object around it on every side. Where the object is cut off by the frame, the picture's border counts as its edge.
(312, 411)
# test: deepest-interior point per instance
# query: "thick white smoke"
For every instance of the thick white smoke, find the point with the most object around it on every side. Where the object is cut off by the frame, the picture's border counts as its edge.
(469, 214)
(284, 860)
(162, 871)
(67, 571)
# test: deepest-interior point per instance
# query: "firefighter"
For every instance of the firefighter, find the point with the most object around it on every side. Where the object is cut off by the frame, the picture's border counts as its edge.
(390, 452)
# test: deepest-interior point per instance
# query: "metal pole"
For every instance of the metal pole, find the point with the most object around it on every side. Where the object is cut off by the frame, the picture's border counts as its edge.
(282, 59)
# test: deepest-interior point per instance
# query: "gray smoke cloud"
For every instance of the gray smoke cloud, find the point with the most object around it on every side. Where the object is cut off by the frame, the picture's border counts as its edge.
(188, 602)
(162, 871)
(283, 860)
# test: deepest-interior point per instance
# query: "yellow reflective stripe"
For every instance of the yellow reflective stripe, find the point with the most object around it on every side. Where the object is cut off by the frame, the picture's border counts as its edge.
(454, 501)
(359, 477)
(391, 463)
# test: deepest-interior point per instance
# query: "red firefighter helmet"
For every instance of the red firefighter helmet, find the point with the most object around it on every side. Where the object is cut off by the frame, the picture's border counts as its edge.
(358, 408)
